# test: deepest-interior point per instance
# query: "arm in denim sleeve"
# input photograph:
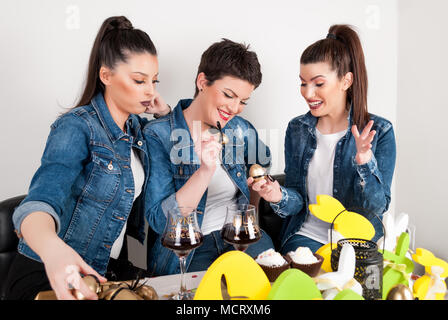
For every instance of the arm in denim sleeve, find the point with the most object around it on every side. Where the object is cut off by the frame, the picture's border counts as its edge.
(161, 192)
(62, 161)
(374, 179)
(255, 151)
(292, 202)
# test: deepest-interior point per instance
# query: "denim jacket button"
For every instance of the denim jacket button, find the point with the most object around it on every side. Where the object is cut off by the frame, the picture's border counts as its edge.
(238, 174)
(110, 166)
(139, 143)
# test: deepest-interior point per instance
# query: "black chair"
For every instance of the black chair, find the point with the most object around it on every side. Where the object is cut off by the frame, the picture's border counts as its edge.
(8, 239)
(269, 221)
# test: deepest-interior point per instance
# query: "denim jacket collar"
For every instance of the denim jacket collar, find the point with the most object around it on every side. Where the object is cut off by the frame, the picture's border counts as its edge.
(109, 124)
(177, 116)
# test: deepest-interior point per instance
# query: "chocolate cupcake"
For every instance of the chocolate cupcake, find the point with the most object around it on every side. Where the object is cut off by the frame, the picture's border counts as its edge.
(272, 263)
(306, 261)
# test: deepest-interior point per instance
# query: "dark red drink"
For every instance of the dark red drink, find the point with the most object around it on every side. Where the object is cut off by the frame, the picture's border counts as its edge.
(240, 237)
(183, 244)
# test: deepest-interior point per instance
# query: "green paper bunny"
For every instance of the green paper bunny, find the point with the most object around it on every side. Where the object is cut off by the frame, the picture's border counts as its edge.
(397, 267)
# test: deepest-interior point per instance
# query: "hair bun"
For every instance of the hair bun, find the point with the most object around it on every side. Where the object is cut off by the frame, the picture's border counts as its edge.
(120, 23)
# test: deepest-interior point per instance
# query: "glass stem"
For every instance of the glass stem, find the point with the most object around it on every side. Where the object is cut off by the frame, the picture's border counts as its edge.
(183, 267)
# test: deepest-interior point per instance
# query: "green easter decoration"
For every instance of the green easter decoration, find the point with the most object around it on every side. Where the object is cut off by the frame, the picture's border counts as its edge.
(348, 294)
(397, 267)
(294, 284)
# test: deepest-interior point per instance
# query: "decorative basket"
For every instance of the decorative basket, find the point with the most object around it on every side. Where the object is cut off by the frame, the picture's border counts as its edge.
(369, 263)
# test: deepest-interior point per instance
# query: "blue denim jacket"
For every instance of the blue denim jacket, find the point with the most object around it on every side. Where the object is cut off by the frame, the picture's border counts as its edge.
(85, 182)
(173, 161)
(363, 188)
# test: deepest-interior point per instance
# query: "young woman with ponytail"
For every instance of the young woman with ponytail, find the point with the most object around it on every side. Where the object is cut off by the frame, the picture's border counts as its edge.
(88, 192)
(337, 148)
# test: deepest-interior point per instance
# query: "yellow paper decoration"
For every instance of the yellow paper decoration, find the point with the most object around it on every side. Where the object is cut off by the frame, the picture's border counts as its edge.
(325, 252)
(244, 278)
(431, 286)
(348, 224)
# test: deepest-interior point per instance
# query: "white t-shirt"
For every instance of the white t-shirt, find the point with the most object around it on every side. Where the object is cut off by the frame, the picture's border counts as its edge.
(320, 181)
(221, 193)
(139, 178)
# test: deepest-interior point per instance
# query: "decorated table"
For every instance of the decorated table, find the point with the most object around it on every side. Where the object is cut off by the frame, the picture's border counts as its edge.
(349, 267)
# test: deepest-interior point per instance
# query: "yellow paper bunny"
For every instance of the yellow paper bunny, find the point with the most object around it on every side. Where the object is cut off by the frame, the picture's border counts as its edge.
(432, 285)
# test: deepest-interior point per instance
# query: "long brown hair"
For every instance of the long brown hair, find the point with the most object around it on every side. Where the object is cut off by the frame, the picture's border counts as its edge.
(113, 43)
(342, 49)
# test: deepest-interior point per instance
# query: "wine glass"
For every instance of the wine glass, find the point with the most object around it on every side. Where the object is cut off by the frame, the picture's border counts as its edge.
(182, 234)
(241, 226)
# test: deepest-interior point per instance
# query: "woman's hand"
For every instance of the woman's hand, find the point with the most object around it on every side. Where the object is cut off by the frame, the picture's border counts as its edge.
(268, 190)
(208, 150)
(158, 106)
(63, 266)
(363, 143)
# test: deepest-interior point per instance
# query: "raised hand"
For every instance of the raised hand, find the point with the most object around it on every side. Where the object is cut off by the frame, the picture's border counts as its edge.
(208, 150)
(363, 143)
(268, 190)
(158, 106)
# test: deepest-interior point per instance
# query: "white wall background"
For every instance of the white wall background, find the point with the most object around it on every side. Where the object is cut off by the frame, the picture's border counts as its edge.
(421, 175)
(46, 44)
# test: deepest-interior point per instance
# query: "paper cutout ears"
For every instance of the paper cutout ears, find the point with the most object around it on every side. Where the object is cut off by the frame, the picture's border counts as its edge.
(294, 284)
(428, 260)
(395, 225)
(332, 283)
(398, 266)
(243, 275)
(431, 286)
(349, 224)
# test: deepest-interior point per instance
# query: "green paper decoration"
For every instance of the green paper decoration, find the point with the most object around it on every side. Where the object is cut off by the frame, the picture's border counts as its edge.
(348, 294)
(392, 276)
(294, 284)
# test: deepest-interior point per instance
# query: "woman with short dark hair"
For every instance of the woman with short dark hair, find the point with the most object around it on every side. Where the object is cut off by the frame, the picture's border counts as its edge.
(190, 168)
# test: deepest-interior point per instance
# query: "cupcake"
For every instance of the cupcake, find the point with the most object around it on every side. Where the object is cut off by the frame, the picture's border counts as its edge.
(304, 260)
(272, 263)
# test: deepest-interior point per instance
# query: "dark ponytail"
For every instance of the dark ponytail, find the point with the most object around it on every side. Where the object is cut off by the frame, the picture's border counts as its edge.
(115, 40)
(343, 51)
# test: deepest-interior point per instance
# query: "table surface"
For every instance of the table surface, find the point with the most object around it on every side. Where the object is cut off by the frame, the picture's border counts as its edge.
(167, 286)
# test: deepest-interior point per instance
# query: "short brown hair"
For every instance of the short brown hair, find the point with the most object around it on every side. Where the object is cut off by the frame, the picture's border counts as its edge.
(228, 58)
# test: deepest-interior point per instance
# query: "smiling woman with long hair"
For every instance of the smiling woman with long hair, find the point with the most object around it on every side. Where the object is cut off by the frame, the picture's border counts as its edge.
(337, 148)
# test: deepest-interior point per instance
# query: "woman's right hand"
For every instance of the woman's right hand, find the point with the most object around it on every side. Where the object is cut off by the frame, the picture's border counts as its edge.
(268, 190)
(208, 150)
(63, 266)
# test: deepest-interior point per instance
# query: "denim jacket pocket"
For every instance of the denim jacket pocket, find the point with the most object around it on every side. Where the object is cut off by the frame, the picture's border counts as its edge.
(104, 178)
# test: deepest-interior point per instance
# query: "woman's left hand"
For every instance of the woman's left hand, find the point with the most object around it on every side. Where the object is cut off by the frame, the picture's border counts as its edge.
(363, 143)
(158, 106)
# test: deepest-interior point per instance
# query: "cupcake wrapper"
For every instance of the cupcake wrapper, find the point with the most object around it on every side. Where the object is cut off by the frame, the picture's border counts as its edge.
(310, 269)
(274, 272)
